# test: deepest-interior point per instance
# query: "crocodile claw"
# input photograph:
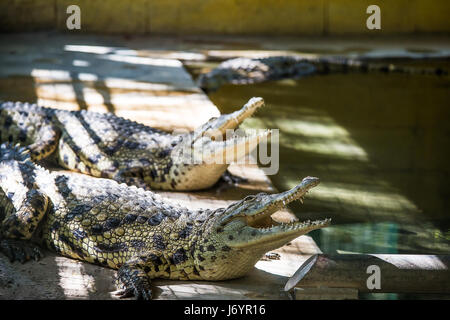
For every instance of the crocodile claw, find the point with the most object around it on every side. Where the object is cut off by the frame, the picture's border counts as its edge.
(20, 250)
(133, 283)
(232, 179)
(139, 294)
(229, 180)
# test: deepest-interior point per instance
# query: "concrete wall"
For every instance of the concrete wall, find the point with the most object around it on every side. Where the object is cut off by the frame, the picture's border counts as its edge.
(266, 17)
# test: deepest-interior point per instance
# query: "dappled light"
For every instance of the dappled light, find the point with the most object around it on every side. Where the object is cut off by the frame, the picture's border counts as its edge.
(351, 194)
(364, 154)
(114, 79)
(74, 281)
(356, 125)
(320, 135)
(334, 149)
(88, 49)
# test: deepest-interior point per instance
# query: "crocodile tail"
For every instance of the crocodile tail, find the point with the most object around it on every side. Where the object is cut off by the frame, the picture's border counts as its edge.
(343, 65)
(9, 151)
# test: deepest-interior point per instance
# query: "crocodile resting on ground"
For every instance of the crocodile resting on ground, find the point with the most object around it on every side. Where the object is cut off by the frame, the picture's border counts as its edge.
(136, 231)
(249, 71)
(104, 145)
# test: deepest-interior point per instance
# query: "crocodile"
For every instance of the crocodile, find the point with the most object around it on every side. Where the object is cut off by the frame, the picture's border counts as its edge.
(108, 146)
(133, 230)
(255, 70)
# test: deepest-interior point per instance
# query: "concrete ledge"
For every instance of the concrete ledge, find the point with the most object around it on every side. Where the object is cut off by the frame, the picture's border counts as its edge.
(245, 17)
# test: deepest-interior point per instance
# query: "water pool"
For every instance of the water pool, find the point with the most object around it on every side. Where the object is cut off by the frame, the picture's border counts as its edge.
(379, 143)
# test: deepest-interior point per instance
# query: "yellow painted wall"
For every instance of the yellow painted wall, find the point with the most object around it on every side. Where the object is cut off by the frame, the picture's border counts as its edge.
(397, 16)
(266, 17)
(109, 16)
(26, 15)
(237, 16)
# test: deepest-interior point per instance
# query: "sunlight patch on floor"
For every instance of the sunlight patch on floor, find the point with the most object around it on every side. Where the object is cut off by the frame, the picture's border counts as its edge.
(143, 60)
(81, 63)
(73, 279)
(89, 49)
(51, 75)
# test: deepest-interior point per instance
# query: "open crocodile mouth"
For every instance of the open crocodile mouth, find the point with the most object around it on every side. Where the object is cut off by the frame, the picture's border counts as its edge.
(248, 110)
(258, 213)
(233, 120)
(265, 225)
(278, 201)
(283, 229)
(254, 225)
(221, 142)
(234, 148)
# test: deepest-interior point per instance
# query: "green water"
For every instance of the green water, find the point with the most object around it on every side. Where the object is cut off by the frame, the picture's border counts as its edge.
(380, 145)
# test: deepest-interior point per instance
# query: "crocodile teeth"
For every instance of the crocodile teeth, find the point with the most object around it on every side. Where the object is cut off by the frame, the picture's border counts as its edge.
(295, 226)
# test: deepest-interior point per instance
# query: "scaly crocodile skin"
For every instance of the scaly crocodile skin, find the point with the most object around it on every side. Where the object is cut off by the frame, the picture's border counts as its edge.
(135, 231)
(248, 71)
(104, 145)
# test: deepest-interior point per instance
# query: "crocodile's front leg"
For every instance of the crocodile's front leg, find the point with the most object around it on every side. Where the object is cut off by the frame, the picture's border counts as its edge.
(30, 126)
(232, 179)
(133, 281)
(133, 276)
(227, 181)
(19, 226)
(20, 250)
(132, 177)
(46, 144)
(70, 157)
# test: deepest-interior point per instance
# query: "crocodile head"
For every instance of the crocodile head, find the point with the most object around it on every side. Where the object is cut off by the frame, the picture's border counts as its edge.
(218, 141)
(217, 127)
(247, 71)
(201, 157)
(244, 231)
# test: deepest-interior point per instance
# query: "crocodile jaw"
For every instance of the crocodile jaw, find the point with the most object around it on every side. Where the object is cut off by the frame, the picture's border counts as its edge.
(198, 159)
(207, 160)
(274, 202)
(251, 243)
(270, 238)
(246, 224)
(254, 209)
(230, 150)
(233, 120)
(234, 242)
(216, 128)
